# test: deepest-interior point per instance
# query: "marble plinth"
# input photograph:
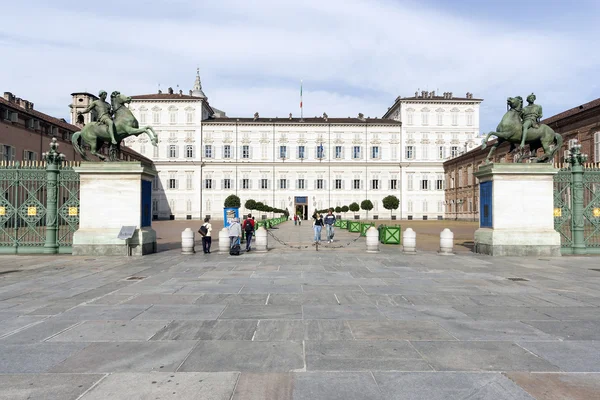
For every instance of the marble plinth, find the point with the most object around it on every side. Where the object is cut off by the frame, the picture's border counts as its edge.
(522, 205)
(110, 198)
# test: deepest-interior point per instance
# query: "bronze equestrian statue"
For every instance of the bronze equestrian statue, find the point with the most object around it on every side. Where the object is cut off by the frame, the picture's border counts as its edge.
(511, 129)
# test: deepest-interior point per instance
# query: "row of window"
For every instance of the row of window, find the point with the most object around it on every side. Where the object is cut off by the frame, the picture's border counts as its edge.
(8, 153)
(318, 184)
(190, 117)
(410, 116)
(35, 124)
(375, 152)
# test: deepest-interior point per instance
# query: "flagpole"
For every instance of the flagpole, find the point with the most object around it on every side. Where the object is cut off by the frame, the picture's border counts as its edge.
(301, 108)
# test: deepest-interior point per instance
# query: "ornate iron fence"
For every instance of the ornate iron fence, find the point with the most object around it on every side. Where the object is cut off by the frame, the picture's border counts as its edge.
(39, 205)
(577, 204)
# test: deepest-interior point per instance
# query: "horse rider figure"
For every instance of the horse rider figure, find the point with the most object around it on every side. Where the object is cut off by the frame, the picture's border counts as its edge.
(104, 111)
(531, 115)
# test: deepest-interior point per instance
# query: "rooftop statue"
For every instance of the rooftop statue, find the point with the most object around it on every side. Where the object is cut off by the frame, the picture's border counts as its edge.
(115, 123)
(521, 126)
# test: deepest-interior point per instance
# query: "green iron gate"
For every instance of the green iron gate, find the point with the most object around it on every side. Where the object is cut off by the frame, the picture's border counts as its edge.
(39, 205)
(577, 205)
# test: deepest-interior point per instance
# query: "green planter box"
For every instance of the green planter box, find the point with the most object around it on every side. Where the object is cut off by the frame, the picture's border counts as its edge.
(343, 224)
(354, 226)
(337, 223)
(364, 227)
(390, 235)
(259, 224)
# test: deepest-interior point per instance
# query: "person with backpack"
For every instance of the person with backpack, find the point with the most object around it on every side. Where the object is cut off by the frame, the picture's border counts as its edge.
(317, 226)
(248, 228)
(205, 231)
(235, 234)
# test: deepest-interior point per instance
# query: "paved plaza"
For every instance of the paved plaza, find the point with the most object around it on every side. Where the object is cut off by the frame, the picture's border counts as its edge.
(295, 323)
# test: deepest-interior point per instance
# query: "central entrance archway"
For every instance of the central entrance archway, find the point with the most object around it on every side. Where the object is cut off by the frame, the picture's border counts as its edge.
(301, 206)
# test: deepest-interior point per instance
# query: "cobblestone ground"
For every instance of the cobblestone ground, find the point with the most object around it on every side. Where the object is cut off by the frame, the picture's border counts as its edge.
(295, 323)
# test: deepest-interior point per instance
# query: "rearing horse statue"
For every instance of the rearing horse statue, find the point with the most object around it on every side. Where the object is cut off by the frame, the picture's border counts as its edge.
(510, 130)
(96, 134)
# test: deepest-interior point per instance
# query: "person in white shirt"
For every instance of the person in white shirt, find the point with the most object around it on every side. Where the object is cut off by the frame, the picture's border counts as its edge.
(207, 239)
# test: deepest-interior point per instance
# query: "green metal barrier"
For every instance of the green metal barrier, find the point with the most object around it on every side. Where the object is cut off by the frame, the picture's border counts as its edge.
(390, 234)
(354, 226)
(364, 226)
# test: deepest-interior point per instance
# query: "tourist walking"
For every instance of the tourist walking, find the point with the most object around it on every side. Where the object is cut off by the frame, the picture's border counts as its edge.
(329, 224)
(248, 228)
(318, 226)
(295, 220)
(235, 232)
(206, 231)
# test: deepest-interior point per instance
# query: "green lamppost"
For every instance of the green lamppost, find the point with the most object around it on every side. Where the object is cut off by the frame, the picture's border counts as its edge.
(576, 159)
(53, 161)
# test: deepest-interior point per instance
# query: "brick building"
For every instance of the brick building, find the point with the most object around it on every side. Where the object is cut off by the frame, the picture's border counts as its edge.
(25, 133)
(581, 124)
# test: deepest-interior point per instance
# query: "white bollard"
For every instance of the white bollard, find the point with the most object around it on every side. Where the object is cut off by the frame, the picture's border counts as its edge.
(446, 242)
(409, 240)
(187, 241)
(372, 240)
(224, 241)
(261, 243)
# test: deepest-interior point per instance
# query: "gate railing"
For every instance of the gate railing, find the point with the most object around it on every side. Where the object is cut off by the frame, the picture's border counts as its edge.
(577, 204)
(39, 205)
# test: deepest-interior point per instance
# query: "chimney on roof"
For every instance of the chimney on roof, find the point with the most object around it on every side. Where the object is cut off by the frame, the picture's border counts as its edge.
(424, 93)
(432, 94)
(170, 90)
(8, 96)
(417, 93)
(190, 92)
(290, 116)
(449, 95)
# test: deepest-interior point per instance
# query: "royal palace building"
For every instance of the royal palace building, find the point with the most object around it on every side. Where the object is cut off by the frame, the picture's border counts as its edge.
(301, 164)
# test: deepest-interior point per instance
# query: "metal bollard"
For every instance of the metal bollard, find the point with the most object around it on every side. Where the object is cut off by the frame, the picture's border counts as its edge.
(261, 243)
(446, 242)
(372, 240)
(409, 239)
(187, 241)
(224, 241)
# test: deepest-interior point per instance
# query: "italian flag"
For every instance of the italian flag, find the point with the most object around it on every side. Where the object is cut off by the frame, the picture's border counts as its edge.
(300, 94)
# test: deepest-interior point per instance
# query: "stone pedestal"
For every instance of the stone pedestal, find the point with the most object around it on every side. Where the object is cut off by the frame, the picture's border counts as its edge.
(516, 210)
(112, 195)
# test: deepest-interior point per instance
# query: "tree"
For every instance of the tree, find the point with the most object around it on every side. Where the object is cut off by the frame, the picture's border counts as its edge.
(345, 210)
(250, 205)
(367, 206)
(354, 207)
(232, 201)
(390, 202)
(338, 209)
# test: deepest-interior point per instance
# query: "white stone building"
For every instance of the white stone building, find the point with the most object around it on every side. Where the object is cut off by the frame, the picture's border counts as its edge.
(434, 129)
(301, 164)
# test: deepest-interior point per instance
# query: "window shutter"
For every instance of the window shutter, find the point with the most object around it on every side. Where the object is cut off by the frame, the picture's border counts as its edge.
(250, 151)
(287, 184)
(176, 183)
(315, 184)
(241, 184)
(176, 151)
(324, 184)
(194, 151)
(250, 183)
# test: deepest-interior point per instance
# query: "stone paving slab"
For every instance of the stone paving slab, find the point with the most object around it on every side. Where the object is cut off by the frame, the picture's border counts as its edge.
(39, 332)
(46, 386)
(569, 330)
(35, 358)
(448, 386)
(481, 356)
(262, 312)
(182, 311)
(558, 386)
(208, 330)
(363, 355)
(244, 356)
(399, 330)
(569, 356)
(126, 357)
(180, 386)
(336, 386)
(110, 331)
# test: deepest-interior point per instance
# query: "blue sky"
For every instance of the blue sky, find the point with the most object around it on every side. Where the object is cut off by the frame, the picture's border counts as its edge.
(353, 55)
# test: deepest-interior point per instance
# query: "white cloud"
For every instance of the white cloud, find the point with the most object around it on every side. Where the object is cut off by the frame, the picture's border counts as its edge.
(355, 56)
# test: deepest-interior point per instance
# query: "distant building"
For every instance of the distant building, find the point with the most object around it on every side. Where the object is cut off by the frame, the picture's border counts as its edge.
(25, 133)
(579, 124)
(434, 128)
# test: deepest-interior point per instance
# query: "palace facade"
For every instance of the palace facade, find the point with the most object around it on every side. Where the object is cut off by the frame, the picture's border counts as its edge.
(301, 164)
